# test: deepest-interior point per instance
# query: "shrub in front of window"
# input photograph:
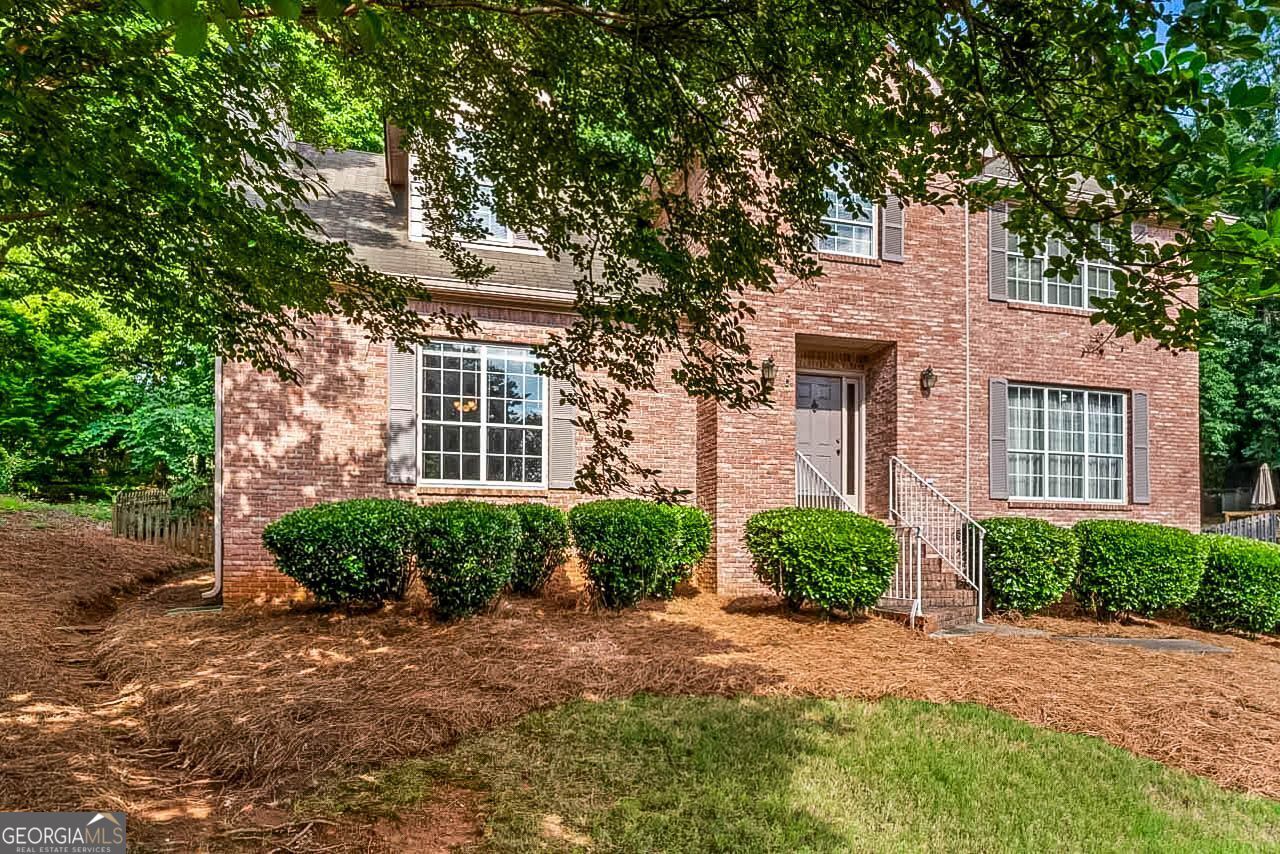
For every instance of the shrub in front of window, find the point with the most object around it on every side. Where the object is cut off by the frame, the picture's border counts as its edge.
(1240, 590)
(466, 554)
(830, 558)
(346, 551)
(632, 548)
(1029, 563)
(1136, 567)
(544, 545)
(690, 547)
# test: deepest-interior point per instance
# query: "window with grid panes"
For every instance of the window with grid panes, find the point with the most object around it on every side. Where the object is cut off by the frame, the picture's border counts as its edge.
(1028, 279)
(483, 415)
(1066, 444)
(851, 229)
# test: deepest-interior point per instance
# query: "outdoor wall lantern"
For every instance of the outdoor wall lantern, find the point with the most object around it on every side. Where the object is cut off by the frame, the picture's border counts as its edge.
(768, 370)
(928, 379)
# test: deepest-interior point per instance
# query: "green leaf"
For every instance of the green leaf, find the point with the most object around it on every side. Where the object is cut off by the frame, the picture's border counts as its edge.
(290, 10)
(369, 25)
(191, 35)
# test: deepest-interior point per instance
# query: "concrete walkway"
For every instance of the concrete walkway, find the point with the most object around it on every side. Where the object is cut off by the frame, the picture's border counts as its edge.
(1153, 644)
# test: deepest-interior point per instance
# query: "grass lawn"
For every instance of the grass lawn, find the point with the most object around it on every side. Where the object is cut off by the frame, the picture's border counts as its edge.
(785, 774)
(99, 511)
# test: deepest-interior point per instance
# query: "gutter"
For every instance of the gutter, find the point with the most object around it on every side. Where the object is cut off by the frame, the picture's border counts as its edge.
(968, 375)
(216, 590)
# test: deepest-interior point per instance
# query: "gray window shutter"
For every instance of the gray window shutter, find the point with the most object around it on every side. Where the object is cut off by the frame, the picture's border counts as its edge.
(402, 415)
(563, 458)
(997, 246)
(1141, 448)
(998, 437)
(892, 230)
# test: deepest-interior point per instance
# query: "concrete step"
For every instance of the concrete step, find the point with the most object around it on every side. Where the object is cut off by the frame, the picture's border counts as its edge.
(946, 618)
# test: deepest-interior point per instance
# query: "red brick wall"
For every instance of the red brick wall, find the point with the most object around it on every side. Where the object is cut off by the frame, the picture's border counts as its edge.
(287, 446)
(1059, 346)
(903, 318)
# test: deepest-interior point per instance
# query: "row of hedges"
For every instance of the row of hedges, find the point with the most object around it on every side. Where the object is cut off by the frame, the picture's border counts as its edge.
(1134, 567)
(467, 552)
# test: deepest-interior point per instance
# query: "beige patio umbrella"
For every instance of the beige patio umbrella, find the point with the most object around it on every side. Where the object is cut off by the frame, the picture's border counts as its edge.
(1264, 491)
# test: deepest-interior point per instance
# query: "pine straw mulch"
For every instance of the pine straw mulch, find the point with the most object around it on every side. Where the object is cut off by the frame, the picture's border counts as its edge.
(268, 702)
(58, 576)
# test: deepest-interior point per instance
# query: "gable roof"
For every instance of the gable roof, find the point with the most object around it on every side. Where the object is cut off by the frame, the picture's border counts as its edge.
(372, 218)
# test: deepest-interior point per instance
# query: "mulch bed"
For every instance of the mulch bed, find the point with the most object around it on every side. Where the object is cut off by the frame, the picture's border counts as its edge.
(58, 577)
(271, 701)
(184, 718)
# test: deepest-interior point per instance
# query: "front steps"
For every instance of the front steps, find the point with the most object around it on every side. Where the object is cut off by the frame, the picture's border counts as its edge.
(947, 599)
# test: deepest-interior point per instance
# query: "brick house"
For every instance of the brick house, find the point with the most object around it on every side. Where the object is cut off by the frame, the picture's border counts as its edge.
(930, 340)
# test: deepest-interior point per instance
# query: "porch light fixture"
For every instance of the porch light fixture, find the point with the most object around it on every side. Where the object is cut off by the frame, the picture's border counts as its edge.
(768, 370)
(928, 379)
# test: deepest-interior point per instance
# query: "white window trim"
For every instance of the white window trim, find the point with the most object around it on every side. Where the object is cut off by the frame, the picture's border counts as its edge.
(484, 433)
(875, 233)
(1082, 271)
(1045, 452)
(511, 243)
(417, 235)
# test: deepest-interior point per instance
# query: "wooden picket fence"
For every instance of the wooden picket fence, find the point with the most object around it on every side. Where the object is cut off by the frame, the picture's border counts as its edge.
(154, 516)
(1262, 526)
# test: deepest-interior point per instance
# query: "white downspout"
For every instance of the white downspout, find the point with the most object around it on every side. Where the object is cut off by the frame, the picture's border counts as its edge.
(968, 385)
(216, 590)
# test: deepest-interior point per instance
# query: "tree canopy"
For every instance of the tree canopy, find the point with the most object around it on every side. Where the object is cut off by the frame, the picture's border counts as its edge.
(89, 402)
(676, 151)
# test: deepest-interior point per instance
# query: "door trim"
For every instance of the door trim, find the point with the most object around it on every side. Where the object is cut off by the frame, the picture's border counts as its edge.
(853, 427)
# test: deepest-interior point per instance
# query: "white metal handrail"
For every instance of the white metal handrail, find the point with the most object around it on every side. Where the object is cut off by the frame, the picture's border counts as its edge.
(954, 535)
(813, 490)
(906, 586)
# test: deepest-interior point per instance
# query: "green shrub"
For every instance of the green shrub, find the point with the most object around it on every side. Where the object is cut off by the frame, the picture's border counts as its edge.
(346, 551)
(1241, 586)
(1029, 563)
(544, 544)
(1136, 567)
(466, 553)
(831, 558)
(692, 542)
(632, 548)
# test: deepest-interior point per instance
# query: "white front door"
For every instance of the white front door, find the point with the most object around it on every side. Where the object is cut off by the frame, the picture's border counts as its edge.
(829, 430)
(820, 425)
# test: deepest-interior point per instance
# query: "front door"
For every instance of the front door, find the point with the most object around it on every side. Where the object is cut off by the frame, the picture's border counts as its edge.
(820, 425)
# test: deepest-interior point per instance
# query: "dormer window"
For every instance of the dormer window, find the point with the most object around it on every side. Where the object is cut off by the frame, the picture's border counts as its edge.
(851, 228)
(496, 234)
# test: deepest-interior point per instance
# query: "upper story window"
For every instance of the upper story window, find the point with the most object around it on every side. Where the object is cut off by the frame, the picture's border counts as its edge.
(1066, 444)
(851, 230)
(1029, 278)
(483, 415)
(496, 234)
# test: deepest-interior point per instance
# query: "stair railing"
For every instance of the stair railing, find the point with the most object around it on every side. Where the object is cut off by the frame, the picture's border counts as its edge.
(906, 586)
(813, 490)
(952, 534)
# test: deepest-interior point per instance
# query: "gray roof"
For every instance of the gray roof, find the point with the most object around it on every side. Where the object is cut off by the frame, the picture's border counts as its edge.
(364, 211)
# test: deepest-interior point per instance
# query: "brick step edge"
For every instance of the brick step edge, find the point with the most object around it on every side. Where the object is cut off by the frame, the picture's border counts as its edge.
(934, 619)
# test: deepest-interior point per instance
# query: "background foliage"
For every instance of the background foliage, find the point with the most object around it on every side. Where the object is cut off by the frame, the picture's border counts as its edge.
(138, 160)
(89, 403)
